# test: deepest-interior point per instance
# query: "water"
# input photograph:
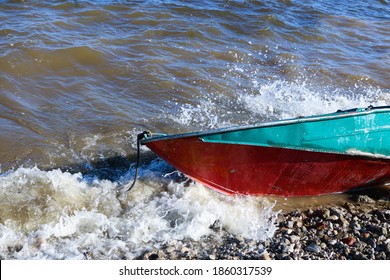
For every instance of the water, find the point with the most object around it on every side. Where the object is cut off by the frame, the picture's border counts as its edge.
(79, 80)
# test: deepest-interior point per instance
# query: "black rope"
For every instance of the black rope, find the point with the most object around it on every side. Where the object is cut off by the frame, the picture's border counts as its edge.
(140, 136)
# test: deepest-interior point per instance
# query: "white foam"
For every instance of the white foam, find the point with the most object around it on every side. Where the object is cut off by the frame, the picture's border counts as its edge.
(58, 215)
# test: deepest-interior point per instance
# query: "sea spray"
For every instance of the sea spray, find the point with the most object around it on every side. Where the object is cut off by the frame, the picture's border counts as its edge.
(303, 99)
(274, 100)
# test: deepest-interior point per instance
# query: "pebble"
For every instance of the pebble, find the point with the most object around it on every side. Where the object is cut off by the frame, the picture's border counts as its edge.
(313, 248)
(344, 221)
(170, 249)
(365, 199)
(185, 250)
(333, 218)
(349, 240)
(326, 213)
(294, 238)
(371, 241)
(332, 241)
(240, 239)
(288, 248)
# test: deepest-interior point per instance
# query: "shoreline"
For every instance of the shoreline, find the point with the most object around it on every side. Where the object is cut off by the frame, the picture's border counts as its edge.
(358, 229)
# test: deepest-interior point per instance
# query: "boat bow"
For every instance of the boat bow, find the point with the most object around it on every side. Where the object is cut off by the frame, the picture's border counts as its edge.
(303, 156)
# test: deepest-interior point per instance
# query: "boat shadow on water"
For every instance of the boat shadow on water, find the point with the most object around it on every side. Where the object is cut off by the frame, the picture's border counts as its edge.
(117, 168)
(375, 191)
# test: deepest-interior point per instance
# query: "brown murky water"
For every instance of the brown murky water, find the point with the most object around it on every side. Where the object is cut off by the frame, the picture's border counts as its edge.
(79, 79)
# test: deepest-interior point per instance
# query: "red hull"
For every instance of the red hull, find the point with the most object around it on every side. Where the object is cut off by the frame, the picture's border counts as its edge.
(257, 170)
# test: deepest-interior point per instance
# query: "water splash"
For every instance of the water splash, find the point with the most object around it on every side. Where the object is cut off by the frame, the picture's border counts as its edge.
(59, 215)
(282, 99)
(279, 99)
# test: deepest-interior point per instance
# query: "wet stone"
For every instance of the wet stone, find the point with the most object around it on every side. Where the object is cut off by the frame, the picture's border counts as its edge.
(313, 248)
(332, 242)
(365, 199)
(333, 218)
(326, 213)
(294, 238)
(371, 241)
(349, 240)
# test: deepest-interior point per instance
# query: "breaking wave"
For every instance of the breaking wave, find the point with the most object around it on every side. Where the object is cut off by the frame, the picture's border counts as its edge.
(59, 215)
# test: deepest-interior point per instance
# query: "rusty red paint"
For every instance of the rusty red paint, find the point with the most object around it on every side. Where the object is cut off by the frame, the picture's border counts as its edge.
(257, 170)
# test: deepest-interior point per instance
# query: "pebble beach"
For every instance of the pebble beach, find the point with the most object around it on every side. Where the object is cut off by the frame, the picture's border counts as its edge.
(358, 229)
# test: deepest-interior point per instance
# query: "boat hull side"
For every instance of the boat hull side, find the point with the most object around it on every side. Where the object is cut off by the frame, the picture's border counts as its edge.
(258, 170)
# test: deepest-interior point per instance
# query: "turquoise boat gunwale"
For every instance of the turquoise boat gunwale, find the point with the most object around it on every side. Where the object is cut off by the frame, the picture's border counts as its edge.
(336, 115)
(340, 114)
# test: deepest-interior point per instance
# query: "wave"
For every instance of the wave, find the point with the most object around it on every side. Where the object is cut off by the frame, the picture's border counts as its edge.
(59, 215)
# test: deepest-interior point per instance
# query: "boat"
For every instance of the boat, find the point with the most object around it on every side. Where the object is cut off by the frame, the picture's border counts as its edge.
(304, 156)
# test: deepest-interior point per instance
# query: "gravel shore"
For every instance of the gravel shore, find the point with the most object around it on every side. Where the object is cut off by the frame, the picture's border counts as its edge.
(356, 229)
